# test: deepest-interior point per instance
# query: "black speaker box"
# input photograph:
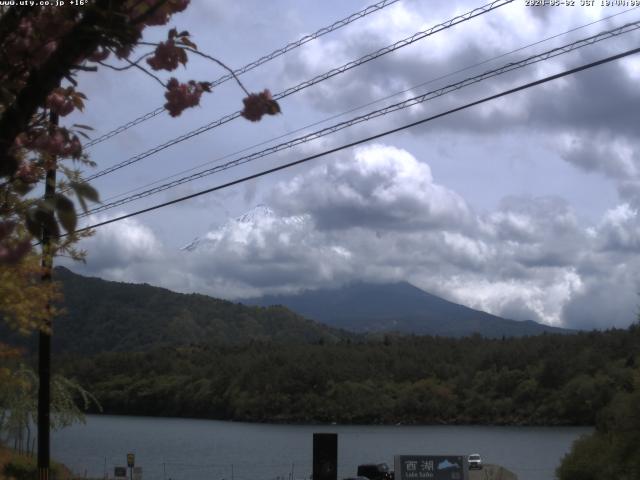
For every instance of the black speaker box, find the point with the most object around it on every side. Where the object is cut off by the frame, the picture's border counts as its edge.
(325, 456)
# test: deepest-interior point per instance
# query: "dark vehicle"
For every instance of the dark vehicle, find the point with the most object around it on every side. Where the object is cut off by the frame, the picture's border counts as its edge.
(375, 471)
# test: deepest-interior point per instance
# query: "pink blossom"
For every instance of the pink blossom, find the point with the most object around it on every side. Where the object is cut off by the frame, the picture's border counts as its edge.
(60, 101)
(167, 56)
(182, 95)
(162, 14)
(73, 148)
(100, 55)
(258, 104)
(58, 143)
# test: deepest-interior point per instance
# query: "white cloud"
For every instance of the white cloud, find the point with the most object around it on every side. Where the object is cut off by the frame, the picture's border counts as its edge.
(379, 187)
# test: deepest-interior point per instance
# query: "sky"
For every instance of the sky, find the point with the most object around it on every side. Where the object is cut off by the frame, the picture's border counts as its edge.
(525, 207)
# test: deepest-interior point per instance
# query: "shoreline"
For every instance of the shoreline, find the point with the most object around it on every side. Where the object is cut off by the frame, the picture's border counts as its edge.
(293, 422)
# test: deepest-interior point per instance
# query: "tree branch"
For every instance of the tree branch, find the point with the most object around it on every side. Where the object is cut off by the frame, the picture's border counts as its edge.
(84, 68)
(209, 57)
(132, 64)
(213, 59)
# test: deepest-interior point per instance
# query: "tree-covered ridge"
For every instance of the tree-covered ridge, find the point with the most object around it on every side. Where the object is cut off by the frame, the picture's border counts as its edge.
(113, 316)
(543, 380)
(100, 316)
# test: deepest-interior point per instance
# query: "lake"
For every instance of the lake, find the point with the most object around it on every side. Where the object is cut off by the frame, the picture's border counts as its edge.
(190, 449)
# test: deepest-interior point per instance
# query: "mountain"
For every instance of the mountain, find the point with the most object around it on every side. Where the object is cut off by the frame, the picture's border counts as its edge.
(103, 316)
(398, 307)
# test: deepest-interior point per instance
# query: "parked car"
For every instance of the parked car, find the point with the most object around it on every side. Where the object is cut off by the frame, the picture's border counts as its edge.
(475, 461)
(375, 471)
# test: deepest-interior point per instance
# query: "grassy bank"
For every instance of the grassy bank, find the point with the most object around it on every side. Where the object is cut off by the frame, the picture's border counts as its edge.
(16, 466)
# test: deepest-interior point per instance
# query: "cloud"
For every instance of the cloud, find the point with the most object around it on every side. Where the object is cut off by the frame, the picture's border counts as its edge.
(121, 245)
(603, 99)
(381, 187)
(377, 213)
(607, 301)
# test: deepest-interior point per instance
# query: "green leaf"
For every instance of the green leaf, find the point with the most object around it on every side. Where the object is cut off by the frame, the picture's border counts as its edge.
(46, 218)
(85, 191)
(66, 213)
(34, 227)
(40, 219)
(80, 125)
(83, 204)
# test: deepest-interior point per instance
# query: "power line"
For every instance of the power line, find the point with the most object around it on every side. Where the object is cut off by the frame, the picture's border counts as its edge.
(368, 104)
(377, 113)
(336, 71)
(367, 139)
(256, 63)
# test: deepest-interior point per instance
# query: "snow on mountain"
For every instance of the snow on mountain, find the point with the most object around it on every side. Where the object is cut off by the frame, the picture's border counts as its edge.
(258, 213)
(259, 217)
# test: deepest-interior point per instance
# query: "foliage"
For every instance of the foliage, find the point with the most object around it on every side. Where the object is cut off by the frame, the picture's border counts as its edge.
(26, 468)
(101, 315)
(613, 451)
(22, 293)
(18, 404)
(426, 380)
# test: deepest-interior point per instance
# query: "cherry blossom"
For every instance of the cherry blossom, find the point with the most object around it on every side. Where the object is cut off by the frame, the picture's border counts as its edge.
(258, 104)
(60, 101)
(167, 56)
(183, 95)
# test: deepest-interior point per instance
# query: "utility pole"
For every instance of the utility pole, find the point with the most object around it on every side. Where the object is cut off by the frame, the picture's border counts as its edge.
(44, 347)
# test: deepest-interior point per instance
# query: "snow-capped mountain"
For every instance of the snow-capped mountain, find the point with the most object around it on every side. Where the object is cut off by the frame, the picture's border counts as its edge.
(260, 216)
(258, 213)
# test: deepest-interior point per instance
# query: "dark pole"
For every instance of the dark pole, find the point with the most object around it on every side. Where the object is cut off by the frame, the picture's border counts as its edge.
(44, 349)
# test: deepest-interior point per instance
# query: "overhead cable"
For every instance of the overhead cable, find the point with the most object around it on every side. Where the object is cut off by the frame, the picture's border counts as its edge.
(363, 140)
(368, 104)
(377, 113)
(289, 91)
(256, 63)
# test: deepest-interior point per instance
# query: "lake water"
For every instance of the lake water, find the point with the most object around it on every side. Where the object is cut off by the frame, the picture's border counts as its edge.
(186, 449)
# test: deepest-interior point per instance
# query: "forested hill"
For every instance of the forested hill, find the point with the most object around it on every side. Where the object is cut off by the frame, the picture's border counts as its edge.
(113, 316)
(540, 380)
(398, 307)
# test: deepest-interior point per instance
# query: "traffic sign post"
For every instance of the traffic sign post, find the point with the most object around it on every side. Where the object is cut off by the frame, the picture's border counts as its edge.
(131, 461)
